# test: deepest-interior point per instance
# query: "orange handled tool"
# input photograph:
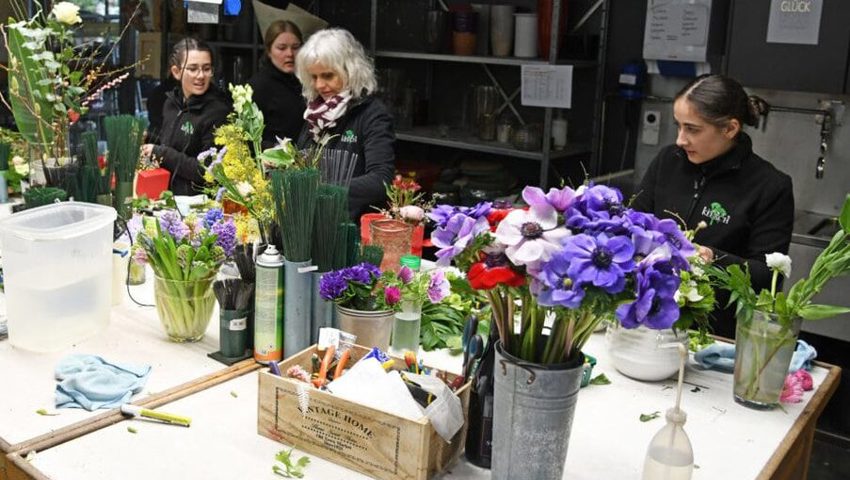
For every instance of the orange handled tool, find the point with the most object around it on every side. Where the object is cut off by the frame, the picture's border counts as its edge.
(323, 370)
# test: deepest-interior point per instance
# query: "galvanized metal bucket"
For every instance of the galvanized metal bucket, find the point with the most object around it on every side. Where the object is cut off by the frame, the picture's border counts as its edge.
(532, 417)
(296, 307)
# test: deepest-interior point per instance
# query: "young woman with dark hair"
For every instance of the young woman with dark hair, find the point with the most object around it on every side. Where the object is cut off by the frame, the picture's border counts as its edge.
(191, 113)
(712, 175)
(277, 91)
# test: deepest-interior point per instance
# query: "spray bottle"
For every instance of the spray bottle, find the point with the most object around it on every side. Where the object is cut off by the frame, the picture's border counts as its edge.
(670, 455)
(268, 307)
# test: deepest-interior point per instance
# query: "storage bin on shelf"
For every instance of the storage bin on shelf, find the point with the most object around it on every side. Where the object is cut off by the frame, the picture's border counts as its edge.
(373, 442)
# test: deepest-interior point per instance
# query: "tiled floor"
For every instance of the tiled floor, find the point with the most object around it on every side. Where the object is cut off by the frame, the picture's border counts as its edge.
(830, 458)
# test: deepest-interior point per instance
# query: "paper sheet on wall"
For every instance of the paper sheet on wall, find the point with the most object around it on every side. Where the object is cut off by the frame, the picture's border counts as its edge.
(202, 11)
(547, 86)
(306, 21)
(676, 30)
(794, 21)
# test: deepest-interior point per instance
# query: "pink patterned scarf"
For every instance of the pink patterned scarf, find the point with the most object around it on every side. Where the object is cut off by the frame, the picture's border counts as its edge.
(322, 115)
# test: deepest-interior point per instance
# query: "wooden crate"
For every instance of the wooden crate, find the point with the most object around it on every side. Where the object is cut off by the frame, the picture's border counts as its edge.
(371, 441)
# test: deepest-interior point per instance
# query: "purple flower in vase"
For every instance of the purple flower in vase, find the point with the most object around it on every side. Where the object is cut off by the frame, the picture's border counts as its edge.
(405, 274)
(531, 235)
(670, 232)
(332, 285)
(601, 261)
(553, 285)
(459, 231)
(441, 214)
(438, 287)
(170, 222)
(559, 199)
(392, 295)
(226, 232)
(212, 216)
(363, 273)
(655, 307)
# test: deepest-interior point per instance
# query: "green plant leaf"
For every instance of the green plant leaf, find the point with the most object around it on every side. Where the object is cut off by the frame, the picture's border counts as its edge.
(27, 92)
(844, 217)
(645, 417)
(600, 379)
(820, 312)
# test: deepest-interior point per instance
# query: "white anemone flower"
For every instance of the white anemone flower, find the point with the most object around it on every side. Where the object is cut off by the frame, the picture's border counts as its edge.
(532, 235)
(779, 262)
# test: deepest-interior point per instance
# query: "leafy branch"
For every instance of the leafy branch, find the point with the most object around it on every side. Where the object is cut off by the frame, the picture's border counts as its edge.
(289, 469)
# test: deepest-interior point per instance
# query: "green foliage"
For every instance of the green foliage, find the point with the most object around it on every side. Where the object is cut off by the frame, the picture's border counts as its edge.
(600, 379)
(442, 323)
(698, 339)
(645, 417)
(290, 469)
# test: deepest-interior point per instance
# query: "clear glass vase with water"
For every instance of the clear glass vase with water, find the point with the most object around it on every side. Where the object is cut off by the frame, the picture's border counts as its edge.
(406, 323)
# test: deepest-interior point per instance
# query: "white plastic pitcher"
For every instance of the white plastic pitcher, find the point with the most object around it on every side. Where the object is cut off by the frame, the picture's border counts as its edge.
(57, 264)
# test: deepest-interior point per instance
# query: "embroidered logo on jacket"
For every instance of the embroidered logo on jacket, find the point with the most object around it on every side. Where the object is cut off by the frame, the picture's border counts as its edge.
(716, 213)
(348, 137)
(188, 128)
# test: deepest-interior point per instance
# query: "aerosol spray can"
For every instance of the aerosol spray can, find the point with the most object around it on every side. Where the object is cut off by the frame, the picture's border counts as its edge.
(268, 307)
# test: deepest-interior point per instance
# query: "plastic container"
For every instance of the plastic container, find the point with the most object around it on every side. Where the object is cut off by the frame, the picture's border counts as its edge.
(57, 262)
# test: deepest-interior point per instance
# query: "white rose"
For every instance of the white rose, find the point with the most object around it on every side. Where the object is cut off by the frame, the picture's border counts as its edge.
(779, 262)
(67, 13)
(412, 213)
(244, 188)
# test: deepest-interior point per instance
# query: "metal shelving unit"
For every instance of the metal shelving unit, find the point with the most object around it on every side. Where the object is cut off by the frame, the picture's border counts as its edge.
(431, 136)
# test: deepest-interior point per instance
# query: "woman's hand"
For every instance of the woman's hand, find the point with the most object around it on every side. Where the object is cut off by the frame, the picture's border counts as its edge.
(706, 254)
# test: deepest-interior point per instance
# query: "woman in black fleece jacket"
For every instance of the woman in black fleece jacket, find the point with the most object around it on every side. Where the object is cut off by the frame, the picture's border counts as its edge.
(191, 113)
(711, 175)
(339, 85)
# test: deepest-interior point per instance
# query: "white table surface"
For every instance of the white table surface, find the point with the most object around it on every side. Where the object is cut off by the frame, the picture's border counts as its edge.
(134, 335)
(608, 440)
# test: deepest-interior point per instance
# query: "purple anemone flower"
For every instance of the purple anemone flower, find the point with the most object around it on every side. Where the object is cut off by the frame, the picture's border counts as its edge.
(682, 247)
(453, 239)
(438, 287)
(655, 307)
(441, 214)
(559, 199)
(601, 261)
(554, 286)
(479, 210)
(363, 273)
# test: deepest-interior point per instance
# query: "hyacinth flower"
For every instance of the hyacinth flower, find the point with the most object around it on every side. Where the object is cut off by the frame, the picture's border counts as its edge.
(185, 256)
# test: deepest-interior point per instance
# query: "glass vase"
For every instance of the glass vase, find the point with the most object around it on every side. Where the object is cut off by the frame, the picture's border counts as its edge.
(406, 324)
(184, 307)
(763, 350)
(394, 237)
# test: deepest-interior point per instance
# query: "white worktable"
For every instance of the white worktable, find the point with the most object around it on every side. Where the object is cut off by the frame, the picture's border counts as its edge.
(134, 335)
(608, 441)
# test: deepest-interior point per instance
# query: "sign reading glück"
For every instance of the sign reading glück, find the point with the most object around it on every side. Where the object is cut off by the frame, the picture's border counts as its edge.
(794, 21)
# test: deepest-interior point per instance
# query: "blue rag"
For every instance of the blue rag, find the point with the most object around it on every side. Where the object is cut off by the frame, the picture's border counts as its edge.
(90, 382)
(721, 356)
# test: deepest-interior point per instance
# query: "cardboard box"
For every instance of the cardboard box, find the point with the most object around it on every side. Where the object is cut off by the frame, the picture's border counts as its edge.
(371, 441)
(152, 182)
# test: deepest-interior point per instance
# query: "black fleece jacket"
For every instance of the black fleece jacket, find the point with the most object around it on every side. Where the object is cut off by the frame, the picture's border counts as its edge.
(188, 128)
(366, 129)
(278, 95)
(747, 203)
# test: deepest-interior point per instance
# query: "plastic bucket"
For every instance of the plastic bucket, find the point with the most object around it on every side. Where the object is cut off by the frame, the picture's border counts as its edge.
(57, 262)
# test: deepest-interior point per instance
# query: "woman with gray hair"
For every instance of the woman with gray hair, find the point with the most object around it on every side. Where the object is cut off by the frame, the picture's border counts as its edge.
(339, 84)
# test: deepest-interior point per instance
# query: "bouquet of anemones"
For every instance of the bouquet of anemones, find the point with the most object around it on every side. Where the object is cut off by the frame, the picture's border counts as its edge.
(580, 256)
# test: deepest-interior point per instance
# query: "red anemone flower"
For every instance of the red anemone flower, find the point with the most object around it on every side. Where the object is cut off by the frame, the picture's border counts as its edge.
(493, 270)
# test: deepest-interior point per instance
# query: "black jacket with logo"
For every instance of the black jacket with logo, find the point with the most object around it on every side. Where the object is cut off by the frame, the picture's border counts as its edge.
(366, 129)
(747, 203)
(278, 95)
(188, 128)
